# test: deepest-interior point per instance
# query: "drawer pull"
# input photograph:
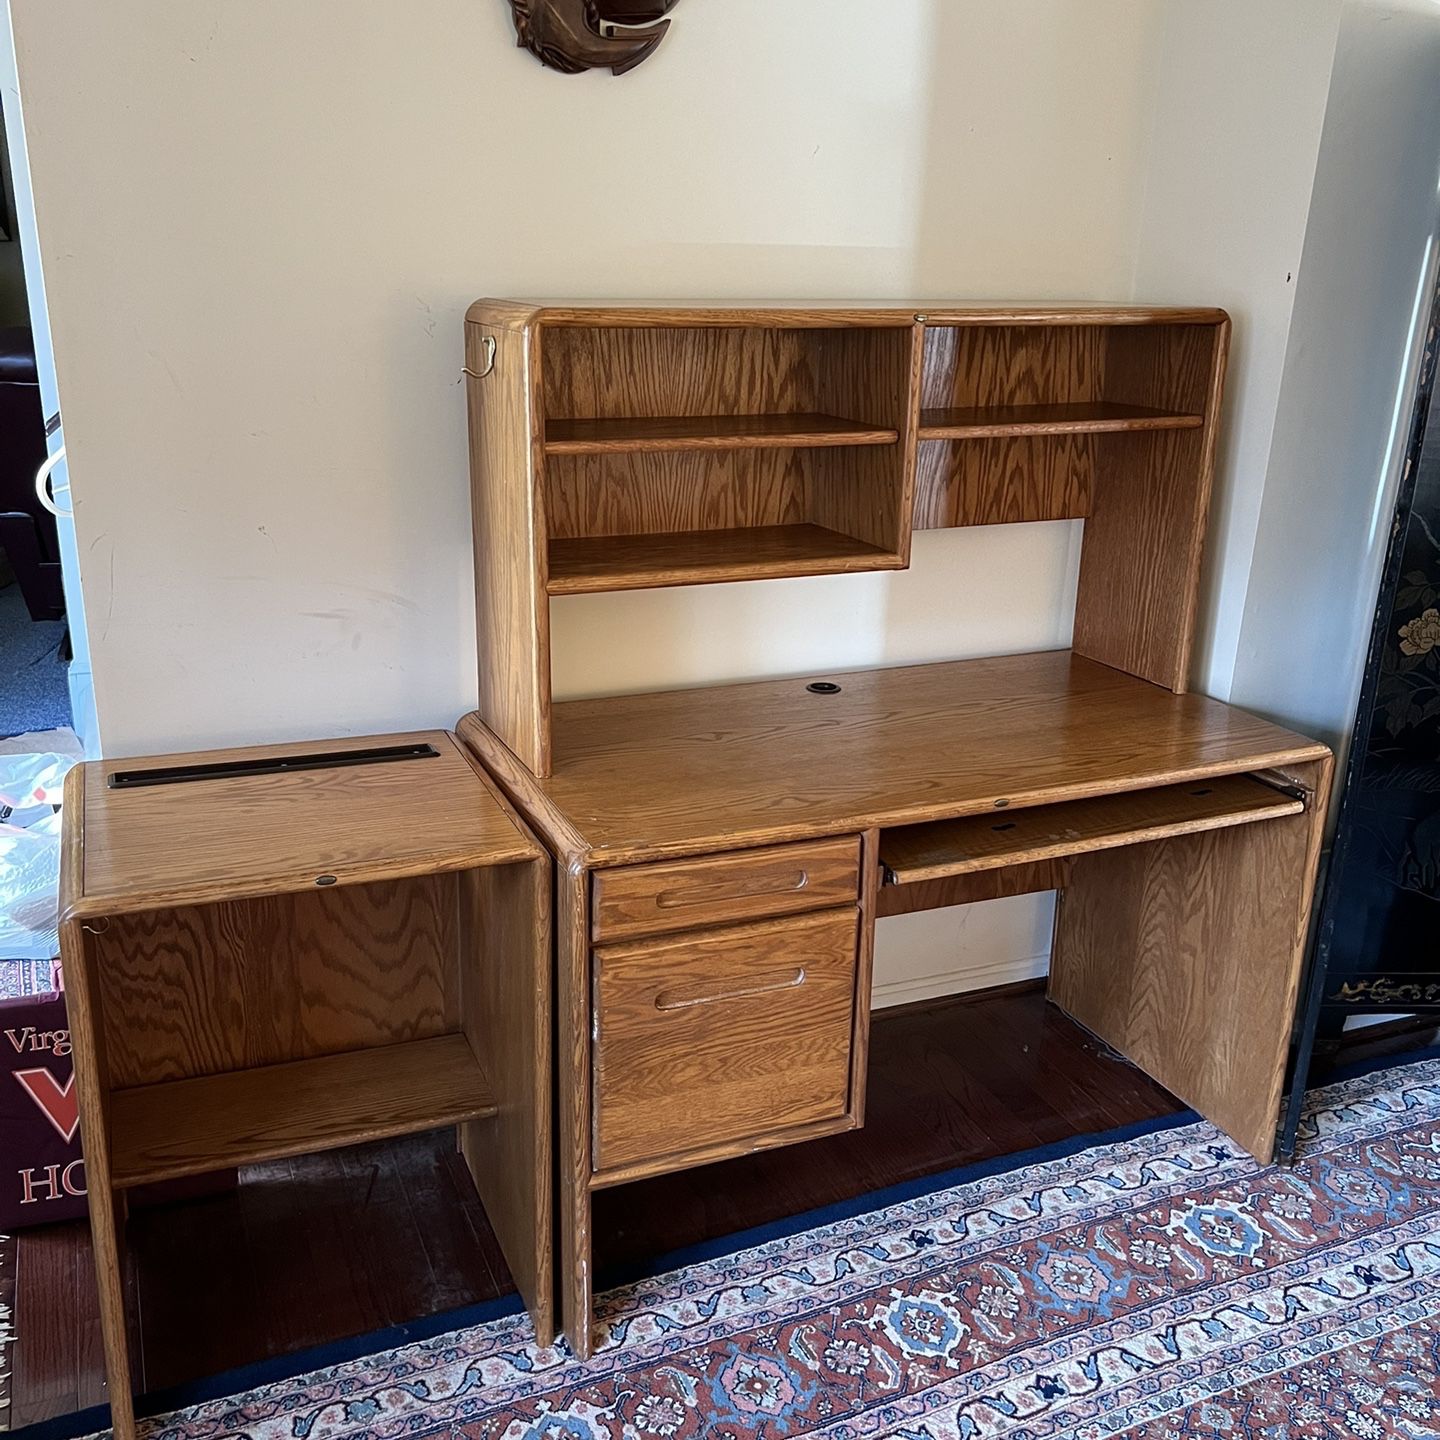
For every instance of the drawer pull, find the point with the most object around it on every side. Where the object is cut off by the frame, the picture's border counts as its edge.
(679, 999)
(730, 890)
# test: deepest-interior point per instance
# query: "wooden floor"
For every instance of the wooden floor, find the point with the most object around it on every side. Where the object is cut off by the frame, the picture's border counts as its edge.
(7, 1303)
(317, 1249)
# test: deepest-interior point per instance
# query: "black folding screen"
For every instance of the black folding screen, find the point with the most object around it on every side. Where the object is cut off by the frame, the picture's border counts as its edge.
(1377, 944)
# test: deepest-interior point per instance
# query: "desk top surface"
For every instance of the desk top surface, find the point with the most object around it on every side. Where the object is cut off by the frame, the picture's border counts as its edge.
(244, 835)
(689, 771)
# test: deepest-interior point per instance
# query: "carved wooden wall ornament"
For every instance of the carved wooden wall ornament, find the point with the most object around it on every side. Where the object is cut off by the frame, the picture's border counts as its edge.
(576, 35)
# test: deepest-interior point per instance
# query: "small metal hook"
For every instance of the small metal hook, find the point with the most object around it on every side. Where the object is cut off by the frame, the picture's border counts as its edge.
(488, 341)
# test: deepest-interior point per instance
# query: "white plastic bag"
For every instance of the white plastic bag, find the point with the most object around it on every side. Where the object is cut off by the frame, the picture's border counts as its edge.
(30, 791)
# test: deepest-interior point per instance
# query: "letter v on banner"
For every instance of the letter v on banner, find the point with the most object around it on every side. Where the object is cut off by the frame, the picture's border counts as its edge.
(59, 1103)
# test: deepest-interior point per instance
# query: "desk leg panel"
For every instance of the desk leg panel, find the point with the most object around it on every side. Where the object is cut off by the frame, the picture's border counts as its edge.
(572, 1074)
(106, 1209)
(570, 1030)
(1185, 955)
(505, 1008)
(864, 971)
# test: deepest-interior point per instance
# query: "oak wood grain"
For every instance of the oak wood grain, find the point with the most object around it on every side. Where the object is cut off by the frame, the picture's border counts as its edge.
(573, 1069)
(710, 432)
(661, 494)
(506, 956)
(524, 790)
(868, 493)
(291, 1011)
(978, 367)
(864, 973)
(967, 889)
(599, 373)
(711, 890)
(574, 1271)
(1004, 481)
(1034, 401)
(975, 370)
(634, 376)
(1047, 832)
(743, 1030)
(703, 314)
(1036, 413)
(659, 776)
(1145, 533)
(704, 557)
(196, 990)
(519, 313)
(976, 422)
(710, 1154)
(1185, 955)
(191, 1127)
(88, 1047)
(794, 427)
(1064, 316)
(227, 838)
(507, 498)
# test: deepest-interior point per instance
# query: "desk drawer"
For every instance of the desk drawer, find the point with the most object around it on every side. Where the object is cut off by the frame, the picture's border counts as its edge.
(714, 889)
(723, 1035)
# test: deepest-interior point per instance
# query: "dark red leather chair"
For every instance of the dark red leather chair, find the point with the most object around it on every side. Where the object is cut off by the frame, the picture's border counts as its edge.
(27, 529)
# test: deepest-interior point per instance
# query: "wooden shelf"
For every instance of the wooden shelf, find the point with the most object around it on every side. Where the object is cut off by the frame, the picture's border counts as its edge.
(709, 432)
(698, 557)
(1088, 418)
(914, 853)
(190, 1127)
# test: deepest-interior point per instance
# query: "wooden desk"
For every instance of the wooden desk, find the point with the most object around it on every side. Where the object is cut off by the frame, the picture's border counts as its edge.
(723, 856)
(725, 853)
(274, 963)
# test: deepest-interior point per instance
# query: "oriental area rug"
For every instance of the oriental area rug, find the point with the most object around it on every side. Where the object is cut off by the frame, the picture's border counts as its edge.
(1156, 1285)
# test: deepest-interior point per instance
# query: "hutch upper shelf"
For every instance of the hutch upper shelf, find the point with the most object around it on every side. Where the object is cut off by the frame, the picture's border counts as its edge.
(619, 447)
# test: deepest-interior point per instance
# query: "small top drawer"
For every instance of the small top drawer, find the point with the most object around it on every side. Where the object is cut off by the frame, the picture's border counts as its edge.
(715, 889)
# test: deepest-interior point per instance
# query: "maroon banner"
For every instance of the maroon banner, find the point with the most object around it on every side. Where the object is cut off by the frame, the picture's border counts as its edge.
(42, 1174)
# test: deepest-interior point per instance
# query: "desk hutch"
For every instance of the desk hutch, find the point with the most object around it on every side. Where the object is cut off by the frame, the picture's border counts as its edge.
(723, 853)
(277, 951)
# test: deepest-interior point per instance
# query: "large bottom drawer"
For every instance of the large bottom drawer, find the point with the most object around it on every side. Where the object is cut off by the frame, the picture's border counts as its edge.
(722, 1036)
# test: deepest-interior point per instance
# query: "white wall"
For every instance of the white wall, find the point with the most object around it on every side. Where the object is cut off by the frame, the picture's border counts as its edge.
(1340, 431)
(262, 223)
(1239, 102)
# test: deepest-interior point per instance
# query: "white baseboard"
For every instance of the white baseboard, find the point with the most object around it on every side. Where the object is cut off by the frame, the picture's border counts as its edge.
(930, 953)
(957, 981)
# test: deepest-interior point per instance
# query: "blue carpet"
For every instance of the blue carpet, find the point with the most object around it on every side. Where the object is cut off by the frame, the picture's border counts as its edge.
(34, 694)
